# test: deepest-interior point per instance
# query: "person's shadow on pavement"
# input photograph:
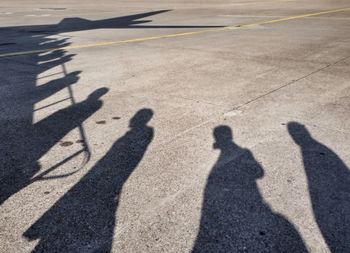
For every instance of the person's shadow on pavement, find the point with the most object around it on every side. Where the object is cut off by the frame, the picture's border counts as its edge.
(20, 167)
(329, 186)
(235, 217)
(83, 220)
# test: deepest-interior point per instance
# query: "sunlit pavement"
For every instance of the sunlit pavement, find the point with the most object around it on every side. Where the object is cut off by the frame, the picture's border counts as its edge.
(175, 126)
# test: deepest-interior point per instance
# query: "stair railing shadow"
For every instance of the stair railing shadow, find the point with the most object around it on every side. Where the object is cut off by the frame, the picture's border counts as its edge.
(26, 142)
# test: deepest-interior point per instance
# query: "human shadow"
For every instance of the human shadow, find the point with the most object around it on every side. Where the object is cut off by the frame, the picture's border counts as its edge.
(83, 220)
(328, 180)
(43, 136)
(21, 144)
(235, 217)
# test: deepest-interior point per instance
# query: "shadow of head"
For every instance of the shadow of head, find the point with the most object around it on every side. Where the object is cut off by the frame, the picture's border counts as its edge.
(97, 94)
(299, 133)
(223, 136)
(141, 118)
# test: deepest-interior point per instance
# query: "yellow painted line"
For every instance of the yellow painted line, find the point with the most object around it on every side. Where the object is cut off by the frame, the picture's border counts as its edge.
(109, 43)
(296, 17)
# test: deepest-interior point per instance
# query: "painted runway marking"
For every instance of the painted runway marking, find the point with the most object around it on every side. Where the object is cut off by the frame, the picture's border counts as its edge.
(232, 27)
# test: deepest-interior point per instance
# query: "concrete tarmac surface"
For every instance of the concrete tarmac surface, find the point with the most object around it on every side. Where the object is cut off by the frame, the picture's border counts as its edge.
(175, 126)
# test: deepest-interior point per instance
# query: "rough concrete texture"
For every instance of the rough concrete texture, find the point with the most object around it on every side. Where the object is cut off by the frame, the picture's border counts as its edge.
(229, 141)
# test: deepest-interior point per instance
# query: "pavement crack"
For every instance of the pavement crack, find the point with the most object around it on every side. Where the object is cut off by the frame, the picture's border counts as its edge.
(291, 83)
